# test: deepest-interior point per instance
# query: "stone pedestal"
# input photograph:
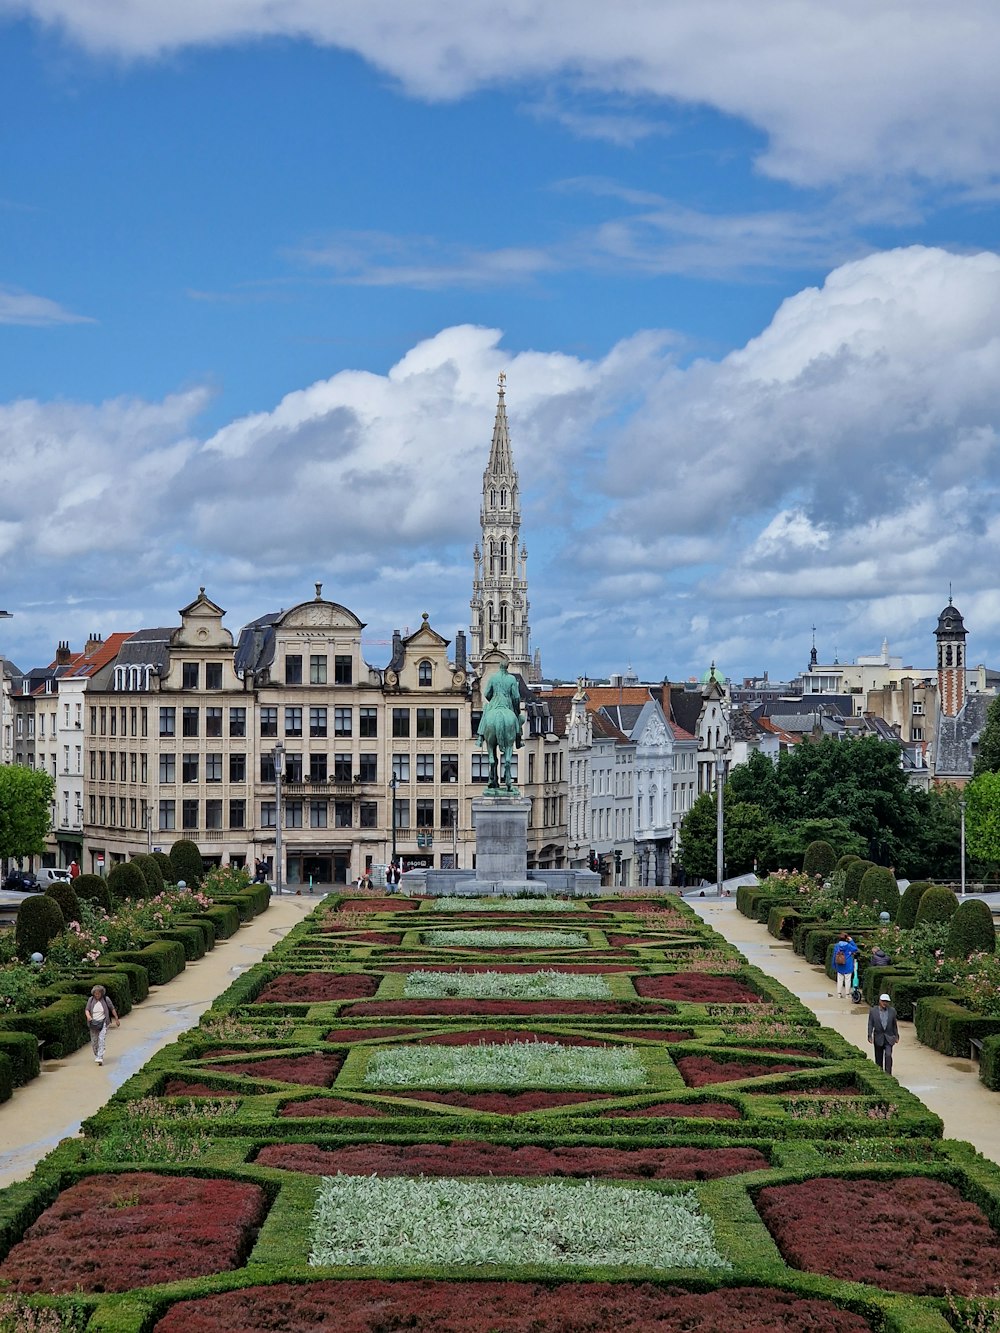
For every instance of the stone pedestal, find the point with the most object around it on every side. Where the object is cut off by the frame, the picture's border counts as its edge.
(501, 828)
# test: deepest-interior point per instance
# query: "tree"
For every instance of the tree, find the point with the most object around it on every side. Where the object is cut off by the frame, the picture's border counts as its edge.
(25, 810)
(747, 838)
(933, 849)
(971, 930)
(982, 817)
(988, 750)
(187, 863)
(698, 838)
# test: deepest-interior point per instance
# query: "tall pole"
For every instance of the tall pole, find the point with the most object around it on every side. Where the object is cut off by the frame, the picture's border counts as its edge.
(720, 775)
(279, 764)
(961, 806)
(392, 814)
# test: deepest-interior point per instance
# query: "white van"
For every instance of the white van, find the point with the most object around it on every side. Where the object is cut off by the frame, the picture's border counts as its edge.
(47, 875)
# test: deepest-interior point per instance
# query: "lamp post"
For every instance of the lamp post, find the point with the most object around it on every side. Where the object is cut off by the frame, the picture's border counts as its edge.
(720, 776)
(961, 806)
(392, 814)
(279, 765)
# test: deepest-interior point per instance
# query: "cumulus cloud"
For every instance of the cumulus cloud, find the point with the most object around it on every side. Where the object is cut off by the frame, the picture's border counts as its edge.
(838, 90)
(20, 307)
(840, 468)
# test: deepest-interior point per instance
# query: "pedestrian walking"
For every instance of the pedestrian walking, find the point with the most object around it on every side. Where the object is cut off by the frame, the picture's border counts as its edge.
(883, 1031)
(101, 1013)
(843, 963)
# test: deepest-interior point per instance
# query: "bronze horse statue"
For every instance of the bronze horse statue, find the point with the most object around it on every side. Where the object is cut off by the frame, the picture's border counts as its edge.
(500, 726)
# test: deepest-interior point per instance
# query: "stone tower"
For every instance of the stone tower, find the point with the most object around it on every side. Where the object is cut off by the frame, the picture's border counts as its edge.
(500, 579)
(950, 635)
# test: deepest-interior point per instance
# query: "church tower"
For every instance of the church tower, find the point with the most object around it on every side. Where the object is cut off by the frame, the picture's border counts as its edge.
(950, 635)
(500, 578)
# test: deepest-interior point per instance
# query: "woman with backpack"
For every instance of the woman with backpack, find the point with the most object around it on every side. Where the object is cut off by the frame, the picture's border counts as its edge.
(843, 963)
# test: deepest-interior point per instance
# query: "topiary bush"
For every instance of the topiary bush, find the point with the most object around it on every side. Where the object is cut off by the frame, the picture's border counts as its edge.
(186, 861)
(166, 867)
(971, 930)
(126, 880)
(844, 861)
(151, 873)
(819, 859)
(936, 904)
(906, 917)
(879, 889)
(853, 876)
(66, 896)
(39, 920)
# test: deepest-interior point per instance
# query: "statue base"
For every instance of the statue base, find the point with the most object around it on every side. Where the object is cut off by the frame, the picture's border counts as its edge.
(500, 824)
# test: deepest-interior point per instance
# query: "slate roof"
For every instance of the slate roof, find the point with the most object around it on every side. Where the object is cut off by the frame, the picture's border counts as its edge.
(957, 737)
(743, 726)
(685, 708)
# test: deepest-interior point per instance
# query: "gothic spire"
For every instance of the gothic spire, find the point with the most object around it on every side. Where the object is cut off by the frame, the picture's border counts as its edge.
(501, 463)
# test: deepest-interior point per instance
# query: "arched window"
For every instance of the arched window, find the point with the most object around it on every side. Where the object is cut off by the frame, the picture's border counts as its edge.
(503, 555)
(493, 558)
(503, 498)
(493, 498)
(425, 673)
(504, 625)
(947, 655)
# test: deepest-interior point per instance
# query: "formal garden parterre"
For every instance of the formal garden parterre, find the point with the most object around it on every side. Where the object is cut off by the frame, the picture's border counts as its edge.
(425, 1114)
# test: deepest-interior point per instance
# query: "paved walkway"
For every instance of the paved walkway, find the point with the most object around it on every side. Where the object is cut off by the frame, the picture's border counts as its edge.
(52, 1106)
(950, 1087)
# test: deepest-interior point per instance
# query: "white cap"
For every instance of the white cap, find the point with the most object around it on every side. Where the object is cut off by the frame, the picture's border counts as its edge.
(883, 996)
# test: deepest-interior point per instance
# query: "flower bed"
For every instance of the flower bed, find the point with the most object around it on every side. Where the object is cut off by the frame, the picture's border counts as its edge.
(698, 1070)
(118, 1231)
(315, 987)
(512, 905)
(514, 1307)
(487, 1008)
(910, 1234)
(469, 1158)
(186, 1087)
(502, 1037)
(368, 1220)
(392, 904)
(505, 939)
(368, 1034)
(364, 936)
(547, 985)
(334, 1106)
(697, 988)
(317, 1071)
(508, 1103)
(518, 1065)
(699, 1110)
(576, 968)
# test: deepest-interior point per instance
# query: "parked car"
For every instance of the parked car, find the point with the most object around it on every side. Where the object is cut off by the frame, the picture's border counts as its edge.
(21, 881)
(51, 875)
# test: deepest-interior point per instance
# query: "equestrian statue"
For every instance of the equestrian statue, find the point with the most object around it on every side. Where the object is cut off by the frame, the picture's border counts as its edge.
(500, 727)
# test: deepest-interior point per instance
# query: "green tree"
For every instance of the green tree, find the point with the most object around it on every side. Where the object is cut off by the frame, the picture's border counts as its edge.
(698, 838)
(25, 810)
(988, 750)
(747, 838)
(933, 848)
(982, 817)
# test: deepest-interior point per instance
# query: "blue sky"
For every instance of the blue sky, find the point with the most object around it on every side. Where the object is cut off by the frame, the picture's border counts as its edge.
(260, 266)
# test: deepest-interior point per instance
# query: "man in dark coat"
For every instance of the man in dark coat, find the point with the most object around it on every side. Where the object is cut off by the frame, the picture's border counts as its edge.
(883, 1031)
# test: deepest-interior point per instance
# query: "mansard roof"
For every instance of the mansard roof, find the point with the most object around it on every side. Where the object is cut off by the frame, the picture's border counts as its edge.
(958, 736)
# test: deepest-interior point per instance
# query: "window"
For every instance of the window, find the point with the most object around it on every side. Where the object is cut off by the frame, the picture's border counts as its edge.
(168, 768)
(114, 766)
(917, 708)
(449, 721)
(317, 721)
(293, 767)
(425, 768)
(449, 814)
(317, 814)
(918, 733)
(189, 814)
(132, 720)
(425, 813)
(269, 721)
(104, 810)
(189, 768)
(267, 768)
(293, 668)
(268, 814)
(317, 768)
(425, 722)
(368, 722)
(213, 814)
(480, 767)
(342, 672)
(293, 721)
(293, 814)
(401, 813)
(104, 721)
(237, 721)
(143, 773)
(343, 768)
(343, 814)
(213, 675)
(449, 768)
(168, 816)
(189, 675)
(103, 758)
(401, 767)
(168, 722)
(237, 768)
(237, 813)
(189, 722)
(342, 722)
(213, 721)
(317, 669)
(93, 766)
(425, 674)
(143, 720)
(213, 771)
(368, 814)
(368, 767)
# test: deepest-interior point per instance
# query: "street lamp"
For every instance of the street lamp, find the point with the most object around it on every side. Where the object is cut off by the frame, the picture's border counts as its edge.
(392, 808)
(961, 806)
(279, 772)
(720, 776)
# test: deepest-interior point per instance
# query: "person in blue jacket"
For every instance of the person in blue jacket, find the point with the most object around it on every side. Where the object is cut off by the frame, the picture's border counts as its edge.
(844, 951)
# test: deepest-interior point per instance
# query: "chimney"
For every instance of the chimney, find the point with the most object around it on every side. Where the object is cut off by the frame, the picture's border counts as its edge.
(93, 643)
(460, 657)
(397, 646)
(63, 653)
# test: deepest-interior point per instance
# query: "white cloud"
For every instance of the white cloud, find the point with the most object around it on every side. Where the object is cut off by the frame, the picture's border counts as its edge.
(839, 90)
(20, 307)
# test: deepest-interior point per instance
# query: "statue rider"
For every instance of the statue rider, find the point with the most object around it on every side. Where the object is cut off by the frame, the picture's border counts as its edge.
(502, 691)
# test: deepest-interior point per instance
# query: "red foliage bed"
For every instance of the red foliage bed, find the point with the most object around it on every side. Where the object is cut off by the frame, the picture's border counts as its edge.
(697, 1070)
(186, 1087)
(363, 936)
(118, 1231)
(317, 1071)
(508, 1103)
(506, 1307)
(314, 987)
(911, 1234)
(576, 969)
(503, 1037)
(489, 1008)
(334, 1106)
(368, 1034)
(392, 904)
(467, 1158)
(697, 988)
(699, 1110)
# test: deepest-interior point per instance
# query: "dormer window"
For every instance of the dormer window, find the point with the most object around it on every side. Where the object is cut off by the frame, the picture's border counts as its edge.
(425, 674)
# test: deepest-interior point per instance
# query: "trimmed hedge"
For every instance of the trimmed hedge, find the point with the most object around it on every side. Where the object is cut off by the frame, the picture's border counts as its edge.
(937, 904)
(151, 873)
(115, 983)
(65, 895)
(39, 920)
(879, 889)
(190, 937)
(186, 862)
(136, 975)
(946, 1026)
(853, 876)
(126, 880)
(820, 859)
(21, 1049)
(224, 918)
(906, 990)
(989, 1062)
(162, 959)
(971, 930)
(60, 1026)
(906, 917)
(782, 920)
(6, 1078)
(243, 903)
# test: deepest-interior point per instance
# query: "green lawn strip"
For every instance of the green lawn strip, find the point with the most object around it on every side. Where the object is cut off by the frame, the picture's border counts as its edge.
(544, 984)
(512, 906)
(514, 1066)
(510, 940)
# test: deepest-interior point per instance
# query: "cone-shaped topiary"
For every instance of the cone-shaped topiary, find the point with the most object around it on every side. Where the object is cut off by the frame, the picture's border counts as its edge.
(186, 861)
(907, 915)
(39, 920)
(879, 889)
(166, 867)
(126, 880)
(971, 930)
(67, 898)
(844, 861)
(937, 904)
(853, 876)
(151, 873)
(94, 889)
(820, 859)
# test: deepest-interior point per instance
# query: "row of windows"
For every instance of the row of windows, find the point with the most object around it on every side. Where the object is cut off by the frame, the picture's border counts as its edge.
(118, 720)
(118, 765)
(424, 810)
(120, 812)
(191, 721)
(343, 669)
(123, 766)
(191, 675)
